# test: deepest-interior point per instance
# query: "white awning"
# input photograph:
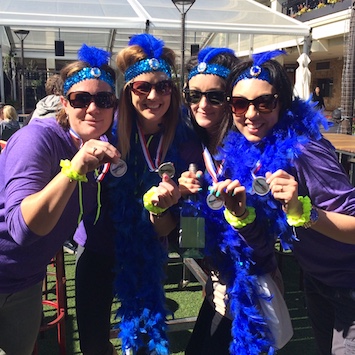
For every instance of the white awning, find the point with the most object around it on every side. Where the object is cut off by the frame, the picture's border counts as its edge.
(108, 24)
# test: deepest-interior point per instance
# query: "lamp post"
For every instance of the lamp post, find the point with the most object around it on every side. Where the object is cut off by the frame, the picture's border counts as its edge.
(183, 7)
(21, 35)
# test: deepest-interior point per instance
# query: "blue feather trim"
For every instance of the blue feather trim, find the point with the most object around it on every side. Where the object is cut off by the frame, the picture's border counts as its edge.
(96, 57)
(152, 46)
(139, 255)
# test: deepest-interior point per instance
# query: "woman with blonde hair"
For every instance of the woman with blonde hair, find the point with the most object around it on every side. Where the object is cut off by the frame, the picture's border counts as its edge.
(10, 124)
(129, 242)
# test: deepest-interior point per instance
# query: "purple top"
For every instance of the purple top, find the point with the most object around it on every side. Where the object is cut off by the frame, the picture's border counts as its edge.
(321, 177)
(29, 161)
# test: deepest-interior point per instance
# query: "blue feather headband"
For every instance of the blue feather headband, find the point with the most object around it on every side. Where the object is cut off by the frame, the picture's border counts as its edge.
(256, 71)
(204, 67)
(153, 48)
(96, 57)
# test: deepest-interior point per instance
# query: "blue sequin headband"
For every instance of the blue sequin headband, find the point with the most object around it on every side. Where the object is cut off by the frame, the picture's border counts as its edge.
(85, 74)
(254, 72)
(147, 65)
(205, 68)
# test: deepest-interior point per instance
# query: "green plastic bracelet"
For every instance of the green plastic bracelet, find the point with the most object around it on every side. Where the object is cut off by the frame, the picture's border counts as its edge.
(238, 223)
(70, 173)
(306, 215)
(147, 201)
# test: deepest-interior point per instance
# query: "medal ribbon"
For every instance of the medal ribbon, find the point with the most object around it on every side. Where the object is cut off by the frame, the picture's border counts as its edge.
(76, 137)
(153, 166)
(210, 166)
(256, 169)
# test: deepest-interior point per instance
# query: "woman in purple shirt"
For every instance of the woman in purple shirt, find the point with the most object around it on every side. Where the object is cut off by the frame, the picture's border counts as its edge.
(47, 183)
(286, 179)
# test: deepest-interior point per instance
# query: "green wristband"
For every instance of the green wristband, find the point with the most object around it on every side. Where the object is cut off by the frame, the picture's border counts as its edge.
(147, 201)
(68, 171)
(238, 223)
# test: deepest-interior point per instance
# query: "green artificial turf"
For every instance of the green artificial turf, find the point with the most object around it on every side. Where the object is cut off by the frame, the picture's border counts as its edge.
(185, 302)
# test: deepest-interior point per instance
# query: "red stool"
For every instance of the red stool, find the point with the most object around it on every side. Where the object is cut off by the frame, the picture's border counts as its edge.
(59, 303)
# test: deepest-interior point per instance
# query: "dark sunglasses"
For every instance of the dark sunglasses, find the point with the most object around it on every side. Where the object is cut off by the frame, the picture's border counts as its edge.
(141, 88)
(263, 103)
(81, 99)
(214, 97)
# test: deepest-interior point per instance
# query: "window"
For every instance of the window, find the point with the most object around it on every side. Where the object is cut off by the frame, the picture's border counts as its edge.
(322, 65)
(326, 87)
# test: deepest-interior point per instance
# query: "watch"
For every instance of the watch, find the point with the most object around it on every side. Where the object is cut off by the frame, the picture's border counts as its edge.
(313, 218)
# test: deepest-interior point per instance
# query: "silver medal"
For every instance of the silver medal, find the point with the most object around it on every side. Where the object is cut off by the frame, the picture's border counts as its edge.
(118, 169)
(214, 203)
(260, 186)
(166, 168)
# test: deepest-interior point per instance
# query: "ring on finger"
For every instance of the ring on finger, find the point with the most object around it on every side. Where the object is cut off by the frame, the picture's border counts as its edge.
(94, 149)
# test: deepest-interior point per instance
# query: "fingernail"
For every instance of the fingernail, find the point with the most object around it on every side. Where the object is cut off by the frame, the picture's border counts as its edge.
(217, 194)
(200, 189)
(198, 175)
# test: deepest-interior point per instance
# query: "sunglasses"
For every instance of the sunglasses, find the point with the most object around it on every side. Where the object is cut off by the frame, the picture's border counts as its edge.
(213, 97)
(263, 103)
(81, 99)
(141, 88)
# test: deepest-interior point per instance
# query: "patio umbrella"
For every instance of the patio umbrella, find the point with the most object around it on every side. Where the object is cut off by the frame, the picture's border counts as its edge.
(303, 77)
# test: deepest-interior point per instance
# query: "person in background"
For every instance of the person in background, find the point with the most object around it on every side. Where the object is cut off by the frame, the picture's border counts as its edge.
(50, 105)
(47, 183)
(129, 242)
(9, 125)
(317, 97)
(289, 175)
(227, 319)
(1, 111)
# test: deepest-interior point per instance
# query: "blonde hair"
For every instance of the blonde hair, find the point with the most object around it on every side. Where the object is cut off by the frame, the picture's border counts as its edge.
(10, 113)
(70, 70)
(125, 59)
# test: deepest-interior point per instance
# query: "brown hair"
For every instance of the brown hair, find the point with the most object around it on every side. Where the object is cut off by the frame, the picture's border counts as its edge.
(54, 85)
(67, 72)
(125, 59)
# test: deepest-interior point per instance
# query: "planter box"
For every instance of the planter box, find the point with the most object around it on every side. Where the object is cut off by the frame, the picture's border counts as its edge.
(323, 11)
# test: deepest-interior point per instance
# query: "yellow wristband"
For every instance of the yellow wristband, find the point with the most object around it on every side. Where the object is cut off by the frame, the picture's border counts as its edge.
(70, 173)
(238, 223)
(306, 215)
(147, 201)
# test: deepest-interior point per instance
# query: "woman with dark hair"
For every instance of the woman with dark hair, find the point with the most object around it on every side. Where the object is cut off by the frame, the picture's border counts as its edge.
(230, 315)
(287, 183)
(48, 184)
(317, 98)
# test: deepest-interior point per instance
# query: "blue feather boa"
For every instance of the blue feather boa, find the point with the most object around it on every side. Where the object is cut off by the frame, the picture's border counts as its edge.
(140, 256)
(227, 250)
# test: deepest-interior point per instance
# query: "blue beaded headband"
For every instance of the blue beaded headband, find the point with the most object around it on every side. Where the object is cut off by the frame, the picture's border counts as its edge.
(204, 67)
(153, 48)
(96, 58)
(147, 66)
(256, 71)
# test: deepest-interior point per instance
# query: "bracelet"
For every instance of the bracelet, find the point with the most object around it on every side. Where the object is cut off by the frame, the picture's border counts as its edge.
(70, 173)
(147, 201)
(306, 215)
(241, 215)
(238, 223)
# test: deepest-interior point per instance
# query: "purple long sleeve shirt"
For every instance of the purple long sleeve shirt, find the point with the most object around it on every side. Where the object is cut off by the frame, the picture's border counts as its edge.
(27, 164)
(321, 177)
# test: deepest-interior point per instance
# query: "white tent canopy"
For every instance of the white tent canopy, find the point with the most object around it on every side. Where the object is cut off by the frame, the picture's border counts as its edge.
(109, 24)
